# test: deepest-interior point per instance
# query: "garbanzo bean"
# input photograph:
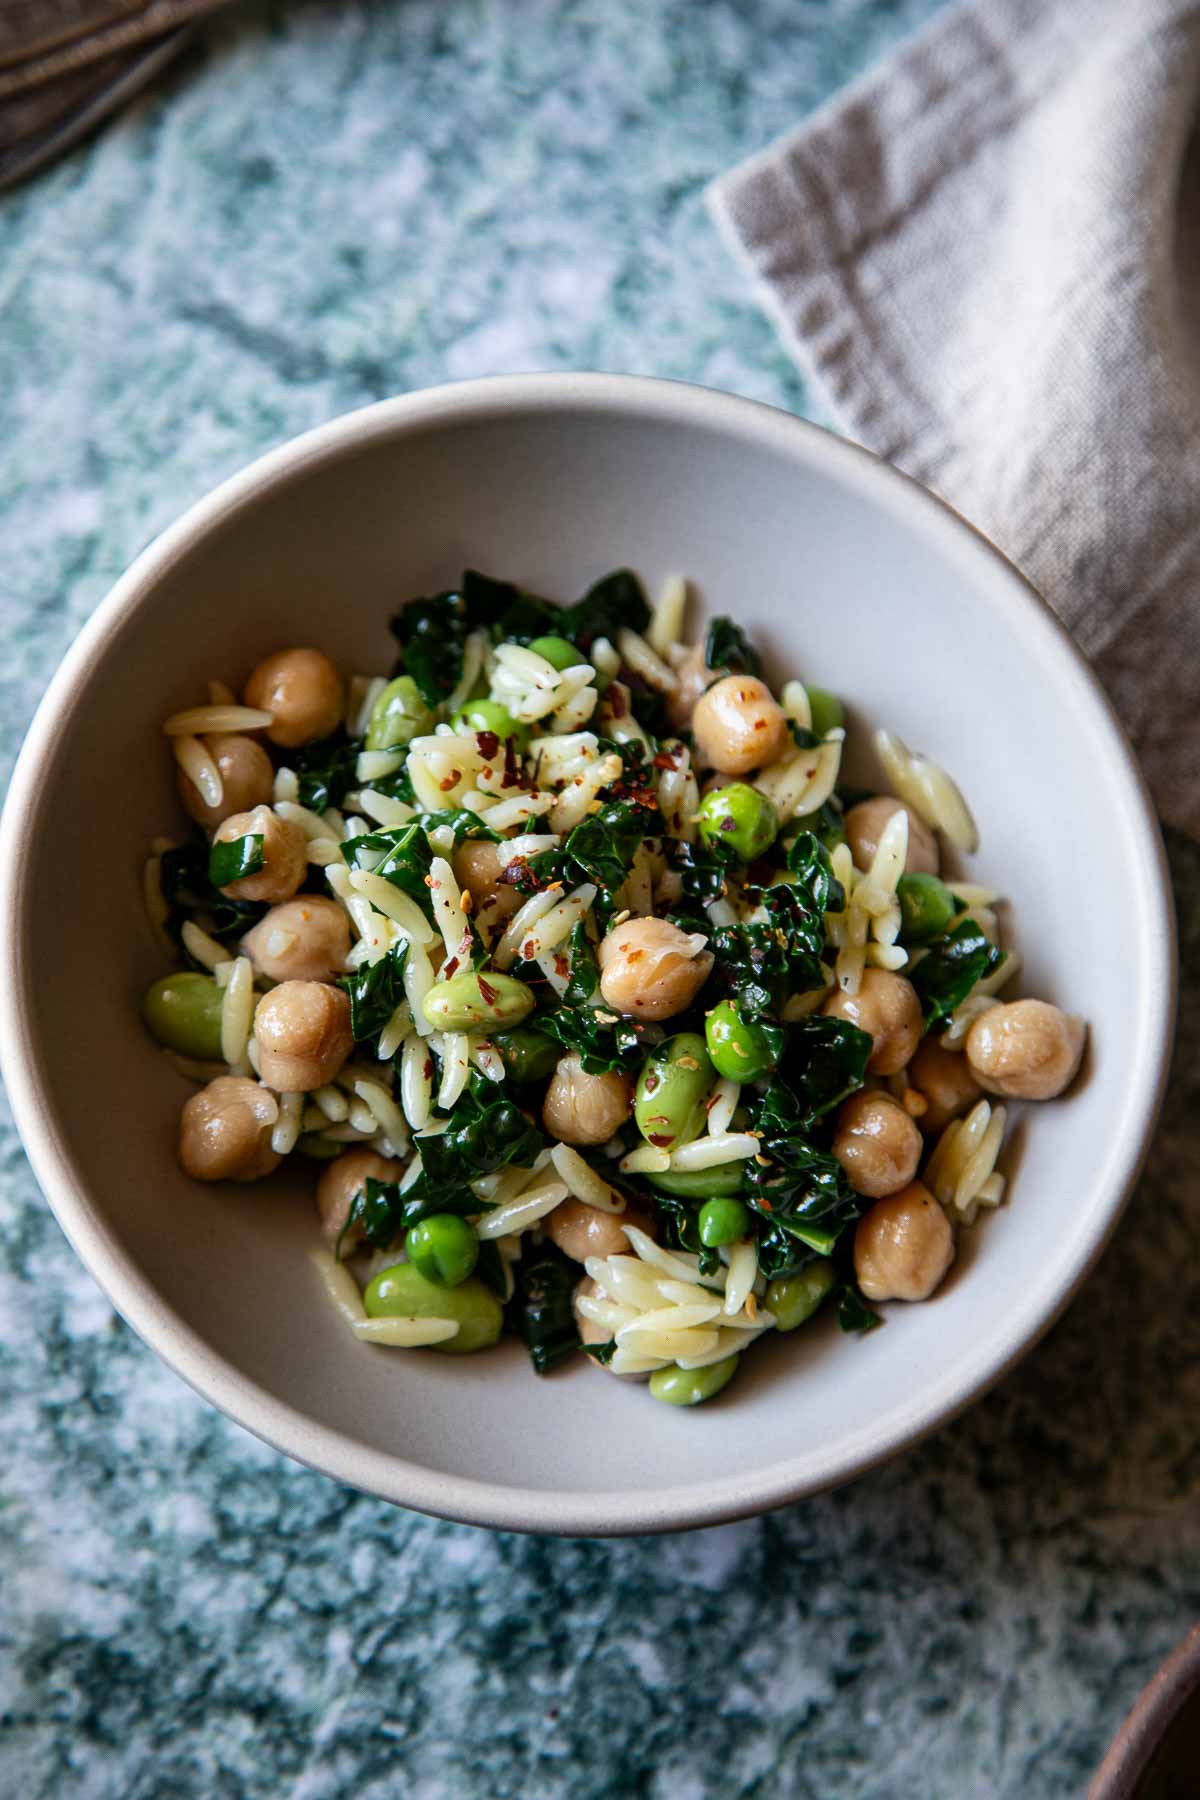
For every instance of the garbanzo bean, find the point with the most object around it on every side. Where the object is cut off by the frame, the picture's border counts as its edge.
(303, 1033)
(284, 851)
(864, 825)
(738, 725)
(1027, 1050)
(877, 1144)
(886, 1006)
(584, 1109)
(306, 939)
(225, 1131)
(340, 1182)
(903, 1246)
(651, 969)
(581, 1231)
(247, 779)
(945, 1080)
(302, 690)
(477, 867)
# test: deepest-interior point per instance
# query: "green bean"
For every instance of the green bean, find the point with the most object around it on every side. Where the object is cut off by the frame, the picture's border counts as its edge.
(700, 1184)
(739, 1051)
(184, 1013)
(443, 1248)
(723, 1222)
(795, 1298)
(688, 1387)
(476, 999)
(826, 710)
(740, 818)
(402, 1292)
(398, 715)
(559, 652)
(529, 1053)
(490, 715)
(675, 1081)
(926, 908)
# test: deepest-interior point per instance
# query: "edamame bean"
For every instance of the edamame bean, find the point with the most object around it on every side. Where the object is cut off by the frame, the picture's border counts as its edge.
(476, 999)
(184, 1013)
(926, 907)
(723, 1222)
(559, 652)
(443, 1248)
(398, 715)
(700, 1184)
(529, 1054)
(826, 710)
(739, 817)
(795, 1298)
(402, 1292)
(688, 1387)
(674, 1084)
(490, 715)
(739, 1051)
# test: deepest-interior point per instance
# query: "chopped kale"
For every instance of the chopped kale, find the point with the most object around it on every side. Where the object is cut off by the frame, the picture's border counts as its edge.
(229, 860)
(326, 771)
(188, 893)
(375, 991)
(727, 647)
(584, 977)
(540, 1310)
(951, 967)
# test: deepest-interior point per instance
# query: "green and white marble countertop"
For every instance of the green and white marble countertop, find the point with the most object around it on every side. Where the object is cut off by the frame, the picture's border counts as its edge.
(322, 205)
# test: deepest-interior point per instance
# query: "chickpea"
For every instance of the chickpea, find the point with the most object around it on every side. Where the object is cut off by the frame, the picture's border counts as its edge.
(864, 825)
(478, 866)
(284, 852)
(903, 1246)
(303, 1033)
(305, 939)
(1027, 1050)
(944, 1079)
(581, 1231)
(225, 1131)
(584, 1109)
(649, 968)
(340, 1182)
(887, 1006)
(693, 677)
(877, 1144)
(247, 779)
(738, 725)
(303, 692)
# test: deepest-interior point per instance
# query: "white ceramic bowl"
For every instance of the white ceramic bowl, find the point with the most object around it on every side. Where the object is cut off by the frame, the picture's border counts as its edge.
(843, 571)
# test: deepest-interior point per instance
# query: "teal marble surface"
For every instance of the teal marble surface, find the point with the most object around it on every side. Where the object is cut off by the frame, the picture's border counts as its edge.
(321, 206)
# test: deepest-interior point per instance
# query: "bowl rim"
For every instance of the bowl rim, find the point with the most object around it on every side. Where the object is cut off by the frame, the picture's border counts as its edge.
(572, 1512)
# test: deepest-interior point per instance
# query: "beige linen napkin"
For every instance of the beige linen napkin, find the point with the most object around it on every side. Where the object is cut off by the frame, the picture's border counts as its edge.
(987, 254)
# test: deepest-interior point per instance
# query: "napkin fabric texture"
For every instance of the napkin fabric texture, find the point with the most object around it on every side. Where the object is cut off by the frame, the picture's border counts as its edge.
(987, 254)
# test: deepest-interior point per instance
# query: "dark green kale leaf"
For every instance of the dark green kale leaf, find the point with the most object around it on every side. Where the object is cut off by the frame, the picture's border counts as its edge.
(397, 786)
(680, 1223)
(602, 1353)
(950, 968)
(462, 823)
(375, 990)
(326, 770)
(825, 1062)
(703, 869)
(486, 1132)
(602, 1040)
(727, 647)
(229, 860)
(377, 1208)
(188, 893)
(602, 846)
(584, 977)
(431, 634)
(853, 1313)
(808, 860)
(507, 611)
(614, 601)
(406, 859)
(540, 1310)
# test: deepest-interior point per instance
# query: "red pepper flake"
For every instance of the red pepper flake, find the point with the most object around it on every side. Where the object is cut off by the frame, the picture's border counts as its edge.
(451, 781)
(488, 743)
(487, 990)
(448, 968)
(764, 1204)
(663, 759)
(430, 882)
(662, 1140)
(759, 724)
(429, 1068)
(618, 704)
